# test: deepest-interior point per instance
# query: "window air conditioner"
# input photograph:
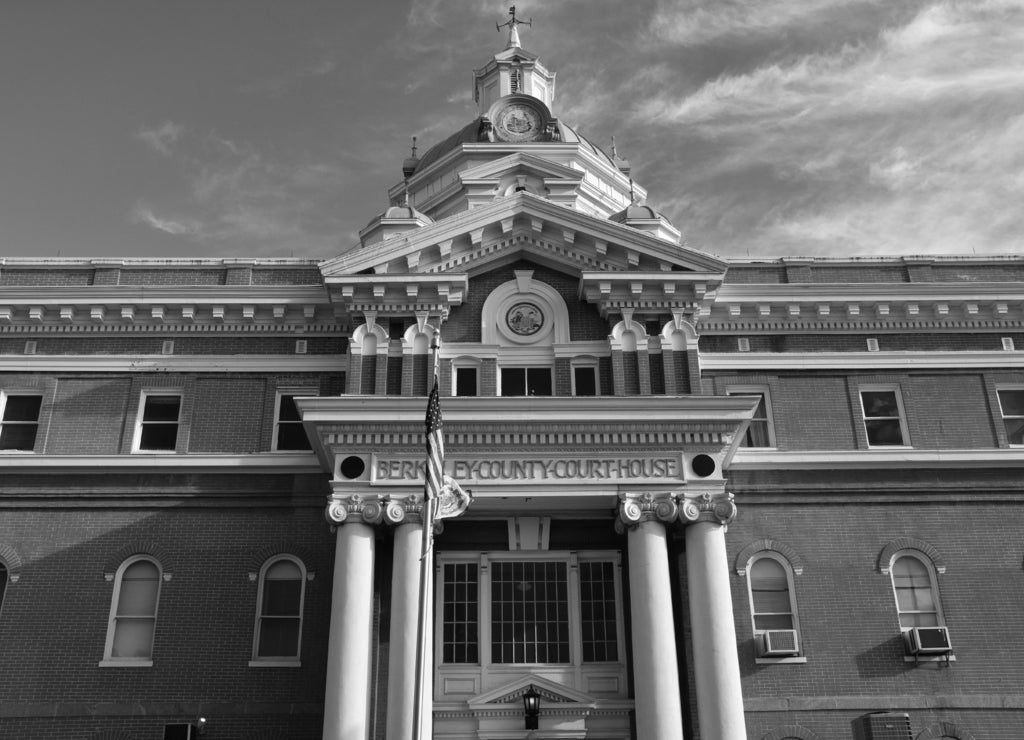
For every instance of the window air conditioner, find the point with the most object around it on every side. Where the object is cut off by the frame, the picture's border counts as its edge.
(922, 640)
(776, 643)
(882, 726)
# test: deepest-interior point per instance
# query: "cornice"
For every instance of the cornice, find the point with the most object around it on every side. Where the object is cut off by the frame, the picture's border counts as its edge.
(149, 262)
(788, 361)
(865, 307)
(149, 306)
(174, 363)
(270, 462)
(747, 459)
(623, 411)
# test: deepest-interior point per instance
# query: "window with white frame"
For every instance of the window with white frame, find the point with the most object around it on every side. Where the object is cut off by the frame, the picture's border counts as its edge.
(562, 608)
(289, 433)
(526, 381)
(917, 597)
(884, 421)
(773, 605)
(1011, 406)
(133, 609)
(761, 431)
(159, 419)
(282, 589)
(585, 378)
(19, 421)
(467, 381)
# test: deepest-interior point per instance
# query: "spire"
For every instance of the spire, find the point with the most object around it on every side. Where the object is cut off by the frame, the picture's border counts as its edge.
(411, 162)
(513, 32)
(622, 164)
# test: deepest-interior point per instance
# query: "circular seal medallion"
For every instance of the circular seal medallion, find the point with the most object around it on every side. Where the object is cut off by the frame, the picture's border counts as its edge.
(524, 319)
(518, 122)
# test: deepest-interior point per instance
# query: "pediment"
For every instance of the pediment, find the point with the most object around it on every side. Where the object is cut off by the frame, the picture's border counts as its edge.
(470, 241)
(550, 691)
(428, 270)
(520, 161)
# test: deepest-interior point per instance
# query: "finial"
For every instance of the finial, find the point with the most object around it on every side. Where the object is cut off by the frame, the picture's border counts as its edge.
(513, 33)
(410, 164)
(632, 192)
(614, 153)
(414, 146)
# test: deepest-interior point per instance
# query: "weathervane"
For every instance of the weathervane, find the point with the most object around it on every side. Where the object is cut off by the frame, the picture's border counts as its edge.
(513, 34)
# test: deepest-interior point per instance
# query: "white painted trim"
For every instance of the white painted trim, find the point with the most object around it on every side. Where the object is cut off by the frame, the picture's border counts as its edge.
(175, 363)
(288, 462)
(748, 458)
(400, 410)
(893, 293)
(859, 360)
(146, 295)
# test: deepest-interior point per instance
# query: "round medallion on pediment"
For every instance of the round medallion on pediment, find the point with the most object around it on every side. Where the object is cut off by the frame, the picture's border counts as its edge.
(524, 319)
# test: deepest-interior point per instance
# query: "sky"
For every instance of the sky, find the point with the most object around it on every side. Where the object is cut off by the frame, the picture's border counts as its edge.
(250, 128)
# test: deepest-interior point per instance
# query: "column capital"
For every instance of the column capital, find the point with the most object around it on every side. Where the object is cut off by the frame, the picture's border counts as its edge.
(635, 508)
(668, 507)
(374, 508)
(718, 508)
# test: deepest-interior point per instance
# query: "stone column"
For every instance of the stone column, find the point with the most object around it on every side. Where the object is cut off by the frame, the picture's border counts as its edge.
(347, 694)
(716, 662)
(406, 513)
(658, 702)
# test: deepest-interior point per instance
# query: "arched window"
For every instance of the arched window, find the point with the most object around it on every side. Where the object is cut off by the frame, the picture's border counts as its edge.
(133, 613)
(3, 583)
(772, 606)
(278, 634)
(917, 599)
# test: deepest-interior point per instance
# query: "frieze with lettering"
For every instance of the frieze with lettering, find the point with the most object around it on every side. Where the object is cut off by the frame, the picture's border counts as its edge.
(517, 470)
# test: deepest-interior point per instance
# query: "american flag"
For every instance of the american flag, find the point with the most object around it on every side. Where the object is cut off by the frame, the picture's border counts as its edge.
(435, 464)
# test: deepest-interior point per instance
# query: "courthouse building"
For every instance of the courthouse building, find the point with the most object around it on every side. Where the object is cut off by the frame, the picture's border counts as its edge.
(713, 498)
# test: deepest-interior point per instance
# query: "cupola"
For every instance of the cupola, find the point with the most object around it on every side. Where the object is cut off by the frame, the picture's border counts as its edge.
(642, 217)
(513, 71)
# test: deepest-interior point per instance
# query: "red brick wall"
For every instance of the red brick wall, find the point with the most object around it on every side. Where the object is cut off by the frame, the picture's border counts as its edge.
(848, 618)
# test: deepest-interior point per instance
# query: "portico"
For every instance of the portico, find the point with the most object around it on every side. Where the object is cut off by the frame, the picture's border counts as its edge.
(642, 466)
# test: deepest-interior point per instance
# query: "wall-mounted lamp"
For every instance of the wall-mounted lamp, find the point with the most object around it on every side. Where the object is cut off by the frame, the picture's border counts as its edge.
(531, 707)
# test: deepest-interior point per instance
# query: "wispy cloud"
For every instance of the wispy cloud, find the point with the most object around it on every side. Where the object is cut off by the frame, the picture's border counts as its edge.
(143, 214)
(910, 141)
(162, 138)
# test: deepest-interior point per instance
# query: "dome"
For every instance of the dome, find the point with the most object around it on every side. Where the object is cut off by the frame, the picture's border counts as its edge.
(635, 211)
(404, 212)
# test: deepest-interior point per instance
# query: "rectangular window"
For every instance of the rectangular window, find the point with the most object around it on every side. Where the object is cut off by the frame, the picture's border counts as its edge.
(529, 612)
(158, 423)
(584, 380)
(19, 421)
(532, 606)
(466, 381)
(526, 381)
(761, 432)
(598, 612)
(1011, 405)
(288, 431)
(461, 609)
(883, 418)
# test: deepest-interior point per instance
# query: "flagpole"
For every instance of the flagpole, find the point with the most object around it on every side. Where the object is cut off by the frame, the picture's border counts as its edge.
(423, 687)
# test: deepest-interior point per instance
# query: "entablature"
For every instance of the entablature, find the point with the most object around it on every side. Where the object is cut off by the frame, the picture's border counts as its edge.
(674, 292)
(397, 294)
(160, 308)
(865, 307)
